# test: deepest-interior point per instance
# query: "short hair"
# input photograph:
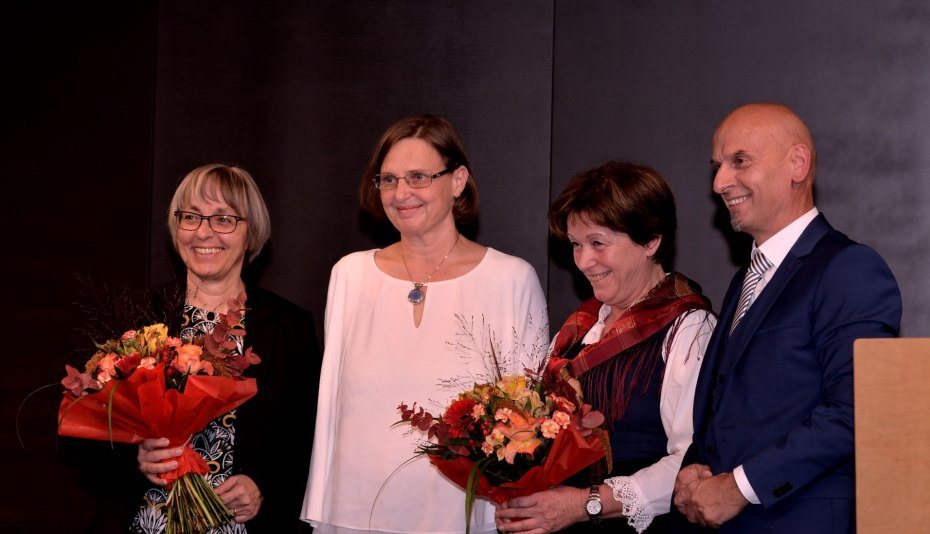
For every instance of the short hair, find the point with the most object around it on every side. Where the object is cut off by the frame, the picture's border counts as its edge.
(232, 185)
(624, 197)
(440, 134)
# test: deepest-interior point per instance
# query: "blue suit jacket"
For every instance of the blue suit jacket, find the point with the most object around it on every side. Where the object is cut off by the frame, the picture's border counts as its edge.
(777, 395)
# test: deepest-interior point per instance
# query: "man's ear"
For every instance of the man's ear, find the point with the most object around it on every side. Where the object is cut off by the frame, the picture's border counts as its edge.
(799, 156)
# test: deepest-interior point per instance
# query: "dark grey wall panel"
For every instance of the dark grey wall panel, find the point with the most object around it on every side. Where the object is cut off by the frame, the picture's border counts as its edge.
(76, 151)
(649, 81)
(299, 95)
(111, 105)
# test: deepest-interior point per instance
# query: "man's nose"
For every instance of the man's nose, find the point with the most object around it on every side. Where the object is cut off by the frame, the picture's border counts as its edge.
(723, 179)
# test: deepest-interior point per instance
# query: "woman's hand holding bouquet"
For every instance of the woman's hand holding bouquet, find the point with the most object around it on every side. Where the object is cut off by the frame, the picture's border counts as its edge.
(514, 437)
(149, 387)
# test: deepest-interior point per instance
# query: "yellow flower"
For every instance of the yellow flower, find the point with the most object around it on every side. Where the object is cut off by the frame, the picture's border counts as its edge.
(153, 336)
(514, 386)
(494, 442)
(534, 405)
(483, 392)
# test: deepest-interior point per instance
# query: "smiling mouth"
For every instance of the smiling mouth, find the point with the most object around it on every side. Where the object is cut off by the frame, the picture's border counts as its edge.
(206, 250)
(730, 202)
(596, 277)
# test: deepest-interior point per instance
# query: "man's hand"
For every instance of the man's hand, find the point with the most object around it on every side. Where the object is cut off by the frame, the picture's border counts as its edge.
(708, 500)
(686, 477)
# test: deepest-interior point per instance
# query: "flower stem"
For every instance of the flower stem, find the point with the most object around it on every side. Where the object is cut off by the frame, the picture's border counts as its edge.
(193, 506)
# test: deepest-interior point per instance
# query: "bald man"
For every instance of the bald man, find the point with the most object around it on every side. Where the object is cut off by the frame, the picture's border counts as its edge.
(773, 408)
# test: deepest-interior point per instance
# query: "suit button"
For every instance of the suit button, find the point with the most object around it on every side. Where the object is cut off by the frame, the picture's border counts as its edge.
(782, 490)
(721, 378)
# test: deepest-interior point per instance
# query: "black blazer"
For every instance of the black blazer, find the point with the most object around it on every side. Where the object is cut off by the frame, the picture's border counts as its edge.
(274, 434)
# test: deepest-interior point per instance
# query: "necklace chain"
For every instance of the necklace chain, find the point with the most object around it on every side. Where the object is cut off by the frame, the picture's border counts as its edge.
(416, 294)
(191, 299)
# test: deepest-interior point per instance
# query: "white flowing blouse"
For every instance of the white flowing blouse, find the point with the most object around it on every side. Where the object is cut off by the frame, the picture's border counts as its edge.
(363, 475)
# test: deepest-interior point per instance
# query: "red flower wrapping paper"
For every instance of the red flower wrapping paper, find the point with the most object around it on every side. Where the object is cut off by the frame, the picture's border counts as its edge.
(570, 453)
(143, 407)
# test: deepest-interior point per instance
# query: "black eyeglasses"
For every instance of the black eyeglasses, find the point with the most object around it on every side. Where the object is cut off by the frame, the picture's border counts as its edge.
(221, 224)
(414, 179)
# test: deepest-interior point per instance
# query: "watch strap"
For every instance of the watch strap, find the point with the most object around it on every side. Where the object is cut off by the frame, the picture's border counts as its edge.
(594, 494)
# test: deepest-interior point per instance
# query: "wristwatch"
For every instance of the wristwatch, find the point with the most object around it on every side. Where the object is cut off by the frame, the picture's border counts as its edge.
(593, 504)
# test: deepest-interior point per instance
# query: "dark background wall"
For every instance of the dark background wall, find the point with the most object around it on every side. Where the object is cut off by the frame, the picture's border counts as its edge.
(109, 106)
(650, 81)
(77, 189)
(308, 88)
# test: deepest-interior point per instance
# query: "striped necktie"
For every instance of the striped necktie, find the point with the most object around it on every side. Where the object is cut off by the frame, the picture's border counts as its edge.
(757, 268)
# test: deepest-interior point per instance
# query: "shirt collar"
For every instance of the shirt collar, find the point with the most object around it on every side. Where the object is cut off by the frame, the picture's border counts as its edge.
(777, 247)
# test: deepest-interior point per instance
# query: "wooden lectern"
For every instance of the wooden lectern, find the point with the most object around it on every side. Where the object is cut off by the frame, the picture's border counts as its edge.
(892, 387)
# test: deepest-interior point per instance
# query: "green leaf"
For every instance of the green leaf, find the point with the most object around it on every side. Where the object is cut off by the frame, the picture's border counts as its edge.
(110, 411)
(471, 489)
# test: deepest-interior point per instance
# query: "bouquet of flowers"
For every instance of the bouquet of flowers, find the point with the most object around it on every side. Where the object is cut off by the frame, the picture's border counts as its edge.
(513, 437)
(147, 384)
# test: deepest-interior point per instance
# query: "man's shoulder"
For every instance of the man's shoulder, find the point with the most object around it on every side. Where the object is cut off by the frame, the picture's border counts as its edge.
(822, 241)
(842, 266)
(835, 244)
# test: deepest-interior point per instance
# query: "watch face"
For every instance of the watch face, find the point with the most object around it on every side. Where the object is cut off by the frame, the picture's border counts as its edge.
(593, 507)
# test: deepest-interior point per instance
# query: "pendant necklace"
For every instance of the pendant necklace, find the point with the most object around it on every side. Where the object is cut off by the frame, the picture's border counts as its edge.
(416, 294)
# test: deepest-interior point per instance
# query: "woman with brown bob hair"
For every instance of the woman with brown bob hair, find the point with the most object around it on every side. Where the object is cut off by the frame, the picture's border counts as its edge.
(636, 347)
(396, 321)
(439, 133)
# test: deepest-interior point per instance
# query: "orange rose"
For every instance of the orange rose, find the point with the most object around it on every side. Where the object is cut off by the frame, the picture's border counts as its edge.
(188, 359)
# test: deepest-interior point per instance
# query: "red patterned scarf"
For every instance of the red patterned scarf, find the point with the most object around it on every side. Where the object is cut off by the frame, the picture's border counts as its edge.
(671, 297)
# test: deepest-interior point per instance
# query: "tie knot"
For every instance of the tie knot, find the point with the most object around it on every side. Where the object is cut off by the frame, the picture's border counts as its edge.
(759, 263)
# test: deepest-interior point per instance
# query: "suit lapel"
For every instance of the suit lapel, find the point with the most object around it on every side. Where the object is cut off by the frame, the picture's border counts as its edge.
(716, 352)
(737, 343)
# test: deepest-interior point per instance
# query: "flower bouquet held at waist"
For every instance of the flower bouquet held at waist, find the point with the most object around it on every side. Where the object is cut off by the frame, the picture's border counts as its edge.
(147, 384)
(520, 435)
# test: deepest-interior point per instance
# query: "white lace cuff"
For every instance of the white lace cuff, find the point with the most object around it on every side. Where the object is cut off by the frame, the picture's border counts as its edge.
(634, 506)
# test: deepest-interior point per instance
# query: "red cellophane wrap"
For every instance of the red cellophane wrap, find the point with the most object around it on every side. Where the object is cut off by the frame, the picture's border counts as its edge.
(570, 453)
(143, 408)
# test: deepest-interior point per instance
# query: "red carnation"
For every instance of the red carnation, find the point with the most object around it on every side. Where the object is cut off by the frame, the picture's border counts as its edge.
(128, 364)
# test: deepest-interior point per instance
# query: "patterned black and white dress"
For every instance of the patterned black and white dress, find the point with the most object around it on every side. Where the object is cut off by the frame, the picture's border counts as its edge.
(215, 443)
